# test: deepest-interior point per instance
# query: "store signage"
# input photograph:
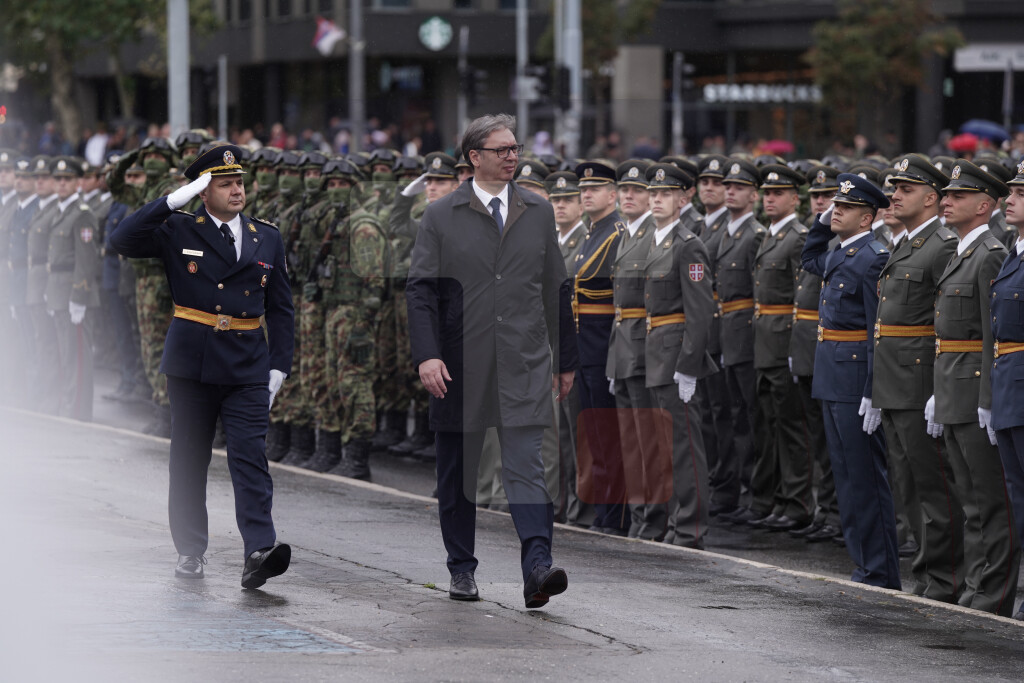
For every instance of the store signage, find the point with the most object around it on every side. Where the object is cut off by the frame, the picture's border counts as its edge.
(435, 34)
(715, 93)
(989, 57)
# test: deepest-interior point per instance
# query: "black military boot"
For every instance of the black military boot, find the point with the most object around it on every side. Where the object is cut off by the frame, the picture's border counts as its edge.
(356, 463)
(392, 431)
(279, 439)
(328, 452)
(420, 438)
(301, 447)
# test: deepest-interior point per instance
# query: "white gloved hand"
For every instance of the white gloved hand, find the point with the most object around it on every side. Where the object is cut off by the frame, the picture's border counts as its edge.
(276, 378)
(985, 422)
(934, 430)
(183, 195)
(77, 312)
(415, 187)
(611, 386)
(687, 385)
(872, 416)
(826, 216)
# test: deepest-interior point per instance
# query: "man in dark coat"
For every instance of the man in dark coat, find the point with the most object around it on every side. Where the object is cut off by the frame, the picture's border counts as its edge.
(489, 313)
(225, 273)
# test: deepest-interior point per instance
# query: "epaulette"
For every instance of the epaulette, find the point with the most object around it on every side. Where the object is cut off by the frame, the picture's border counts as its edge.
(760, 229)
(690, 236)
(802, 229)
(185, 213)
(946, 234)
(83, 207)
(994, 245)
(620, 227)
(266, 222)
(878, 247)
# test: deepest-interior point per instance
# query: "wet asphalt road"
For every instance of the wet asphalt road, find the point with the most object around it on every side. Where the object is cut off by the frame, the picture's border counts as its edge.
(91, 593)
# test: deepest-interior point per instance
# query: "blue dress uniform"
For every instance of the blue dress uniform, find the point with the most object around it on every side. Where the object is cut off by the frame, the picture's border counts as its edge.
(842, 376)
(594, 311)
(217, 358)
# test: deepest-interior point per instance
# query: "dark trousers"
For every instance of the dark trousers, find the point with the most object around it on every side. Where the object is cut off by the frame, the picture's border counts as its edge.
(522, 474)
(244, 412)
(120, 321)
(781, 480)
(647, 469)
(814, 436)
(991, 549)
(574, 510)
(865, 499)
(46, 374)
(719, 443)
(921, 476)
(1011, 453)
(741, 382)
(74, 344)
(600, 438)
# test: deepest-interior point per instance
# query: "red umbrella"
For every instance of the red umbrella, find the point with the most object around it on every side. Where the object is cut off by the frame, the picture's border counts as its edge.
(780, 147)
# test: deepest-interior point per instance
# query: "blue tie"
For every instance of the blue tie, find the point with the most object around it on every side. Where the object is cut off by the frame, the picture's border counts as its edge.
(496, 212)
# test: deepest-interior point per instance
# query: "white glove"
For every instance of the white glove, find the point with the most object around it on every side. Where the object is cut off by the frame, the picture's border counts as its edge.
(415, 187)
(872, 416)
(611, 386)
(985, 422)
(826, 216)
(183, 195)
(934, 430)
(276, 378)
(687, 385)
(77, 312)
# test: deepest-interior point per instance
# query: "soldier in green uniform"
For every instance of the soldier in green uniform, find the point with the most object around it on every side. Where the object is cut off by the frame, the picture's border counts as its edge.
(72, 288)
(782, 476)
(531, 175)
(647, 472)
(264, 164)
(46, 384)
(302, 235)
(904, 362)
(679, 308)
(963, 393)
(822, 185)
(189, 143)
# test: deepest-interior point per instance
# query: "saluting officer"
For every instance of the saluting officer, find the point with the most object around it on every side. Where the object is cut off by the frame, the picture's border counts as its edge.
(734, 279)
(226, 271)
(594, 311)
(679, 309)
(903, 379)
(1008, 334)
(963, 395)
(646, 474)
(781, 481)
(843, 375)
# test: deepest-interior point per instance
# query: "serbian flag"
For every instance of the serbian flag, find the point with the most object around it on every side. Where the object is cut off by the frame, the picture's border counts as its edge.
(327, 36)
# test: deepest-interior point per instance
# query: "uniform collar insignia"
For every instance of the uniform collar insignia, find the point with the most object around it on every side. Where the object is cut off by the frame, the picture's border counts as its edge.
(200, 219)
(918, 242)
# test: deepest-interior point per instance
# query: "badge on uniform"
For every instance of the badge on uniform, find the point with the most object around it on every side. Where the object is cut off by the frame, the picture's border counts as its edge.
(192, 267)
(263, 281)
(200, 219)
(86, 235)
(696, 272)
(265, 266)
(191, 252)
(252, 228)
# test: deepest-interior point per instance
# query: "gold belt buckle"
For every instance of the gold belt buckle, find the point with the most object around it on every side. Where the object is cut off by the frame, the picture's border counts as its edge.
(648, 324)
(821, 333)
(757, 310)
(878, 330)
(995, 349)
(618, 314)
(223, 323)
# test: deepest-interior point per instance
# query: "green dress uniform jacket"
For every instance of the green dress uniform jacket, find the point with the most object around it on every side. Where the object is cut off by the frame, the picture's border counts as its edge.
(734, 278)
(38, 248)
(73, 259)
(626, 346)
(776, 270)
(903, 377)
(711, 235)
(805, 323)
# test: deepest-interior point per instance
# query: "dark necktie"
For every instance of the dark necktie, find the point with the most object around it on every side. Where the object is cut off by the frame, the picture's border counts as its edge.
(226, 231)
(496, 212)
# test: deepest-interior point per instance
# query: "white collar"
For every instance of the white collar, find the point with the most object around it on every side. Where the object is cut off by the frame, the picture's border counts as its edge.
(67, 202)
(850, 240)
(105, 196)
(713, 216)
(877, 224)
(913, 233)
(90, 194)
(970, 237)
(43, 203)
(735, 225)
(995, 211)
(9, 196)
(633, 226)
(563, 240)
(660, 233)
(25, 202)
(776, 227)
(486, 197)
(1020, 246)
(235, 224)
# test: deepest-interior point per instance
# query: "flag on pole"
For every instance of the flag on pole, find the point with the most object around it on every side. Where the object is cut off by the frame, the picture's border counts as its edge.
(327, 36)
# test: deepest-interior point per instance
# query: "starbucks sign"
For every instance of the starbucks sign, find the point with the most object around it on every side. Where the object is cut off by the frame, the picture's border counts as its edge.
(435, 33)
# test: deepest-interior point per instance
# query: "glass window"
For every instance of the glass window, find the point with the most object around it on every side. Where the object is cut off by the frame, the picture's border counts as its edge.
(245, 10)
(284, 8)
(326, 7)
(463, 4)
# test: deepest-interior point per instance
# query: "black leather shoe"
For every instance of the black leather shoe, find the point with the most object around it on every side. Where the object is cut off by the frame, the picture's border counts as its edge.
(785, 523)
(265, 564)
(741, 516)
(190, 567)
(909, 549)
(825, 533)
(542, 584)
(805, 531)
(1019, 616)
(717, 510)
(762, 521)
(463, 587)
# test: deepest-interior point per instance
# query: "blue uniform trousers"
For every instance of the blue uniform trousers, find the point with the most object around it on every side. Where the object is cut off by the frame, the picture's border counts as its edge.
(865, 499)
(1011, 453)
(243, 409)
(522, 474)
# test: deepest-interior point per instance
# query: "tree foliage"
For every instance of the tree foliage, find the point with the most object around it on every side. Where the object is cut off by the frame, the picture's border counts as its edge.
(606, 24)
